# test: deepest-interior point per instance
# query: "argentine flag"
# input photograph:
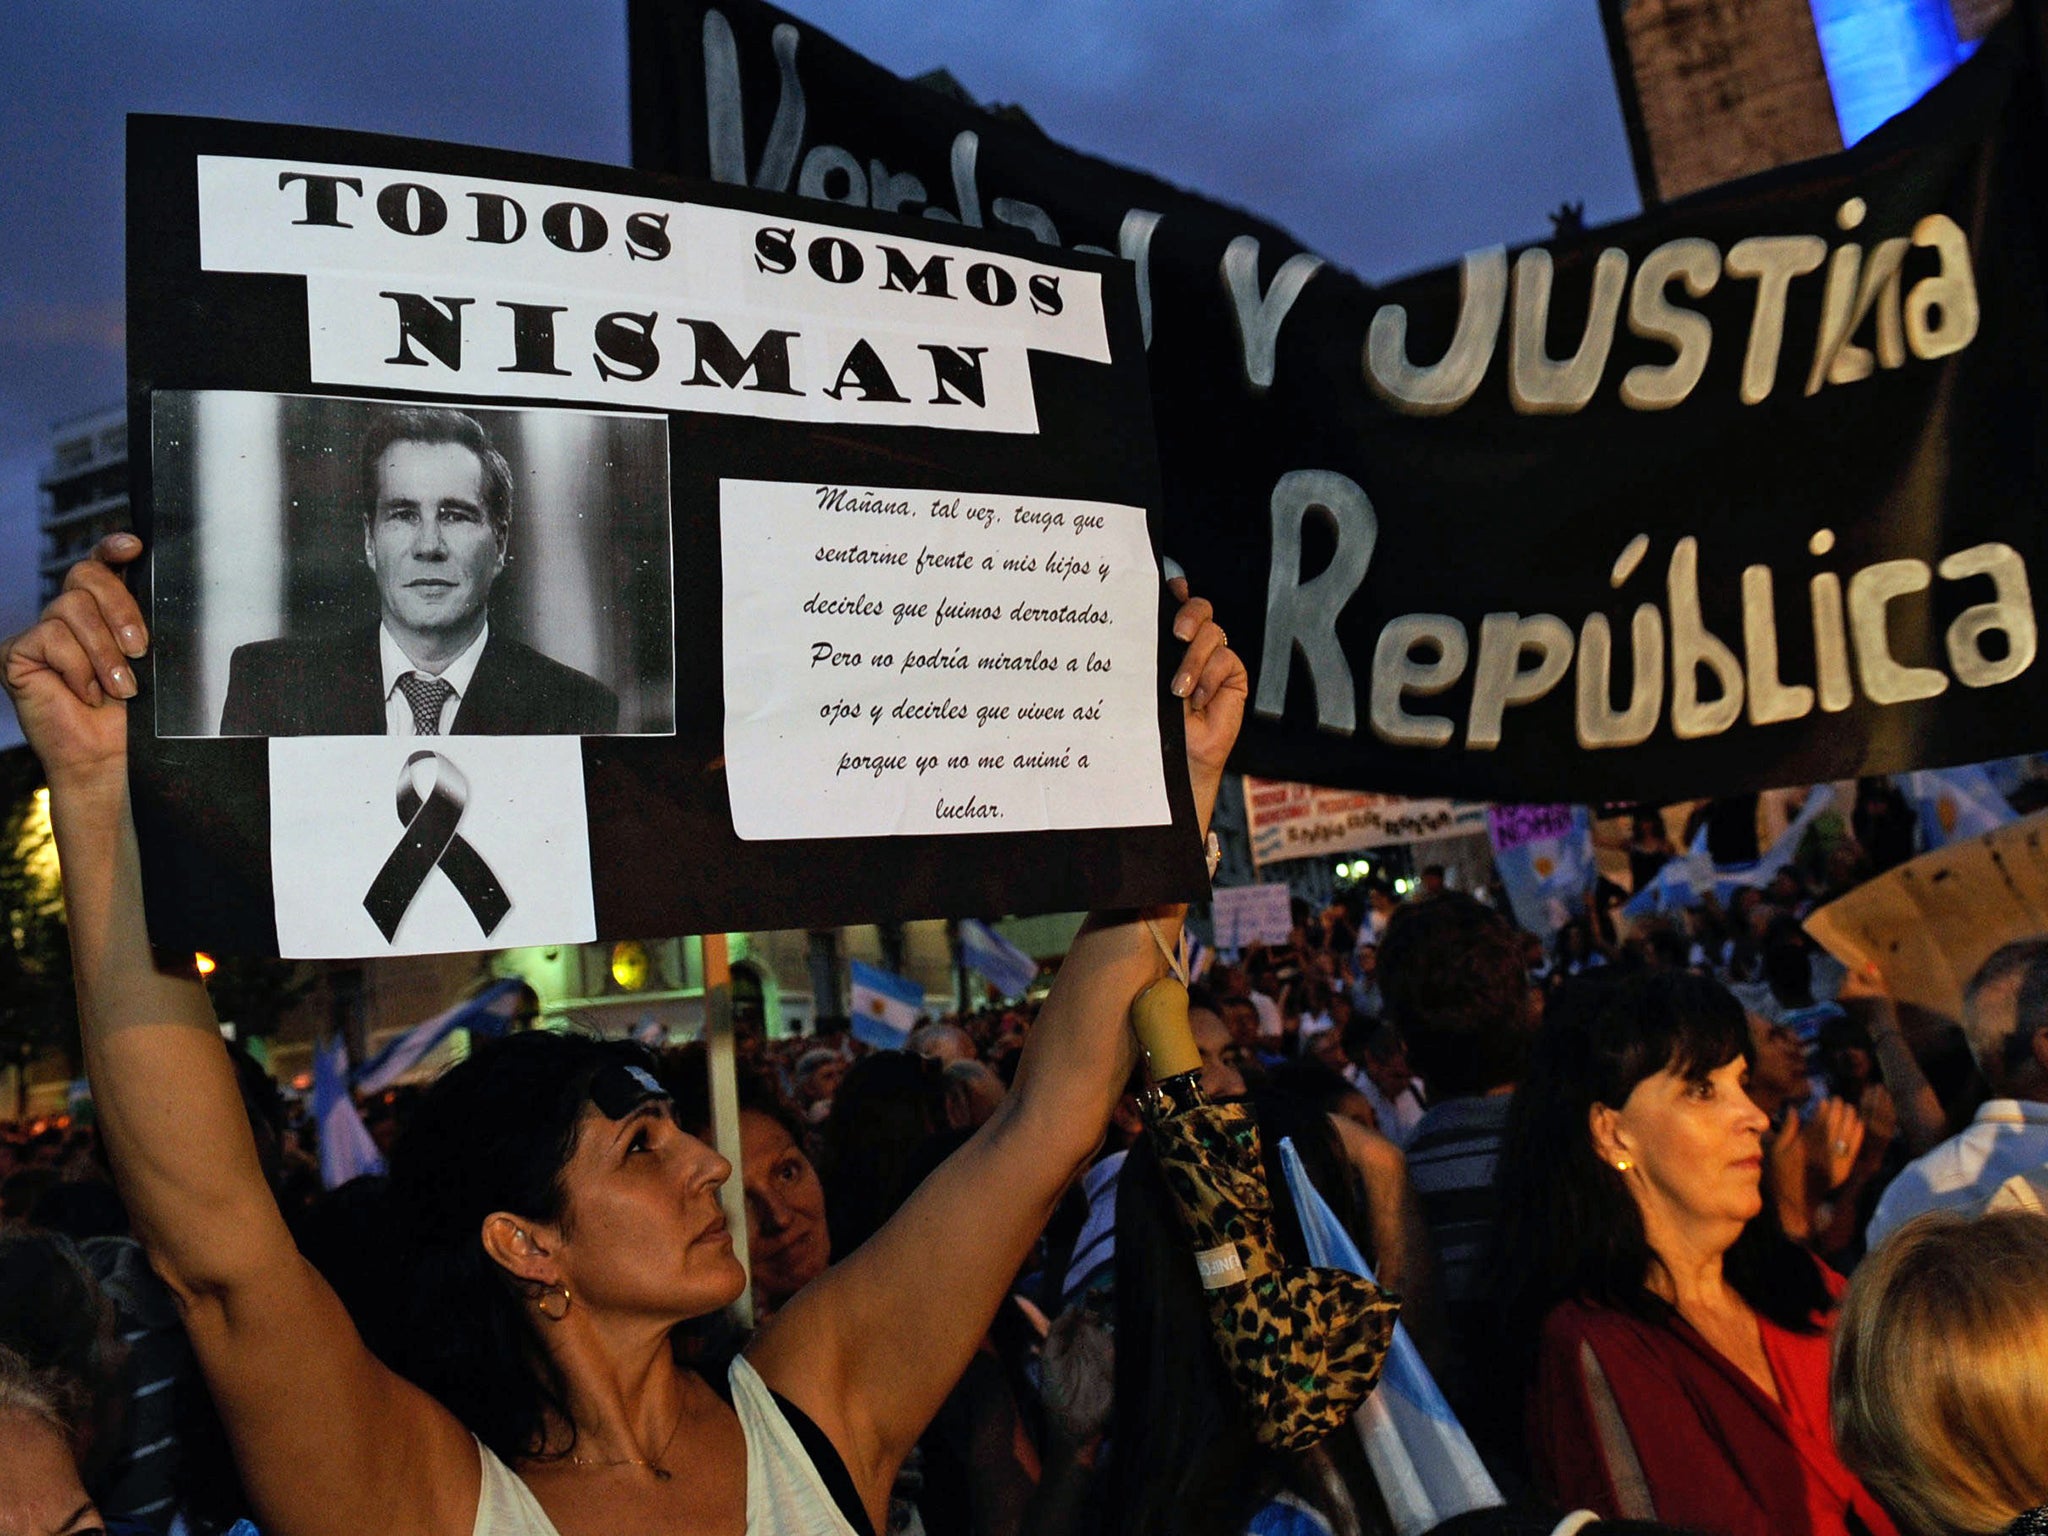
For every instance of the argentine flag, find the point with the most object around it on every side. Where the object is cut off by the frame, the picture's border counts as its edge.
(886, 1007)
(488, 1014)
(1547, 878)
(1419, 1453)
(1954, 804)
(1685, 879)
(1008, 969)
(346, 1150)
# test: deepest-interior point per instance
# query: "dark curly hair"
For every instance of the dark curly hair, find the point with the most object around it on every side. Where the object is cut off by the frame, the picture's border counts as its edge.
(492, 1134)
(888, 1106)
(1456, 987)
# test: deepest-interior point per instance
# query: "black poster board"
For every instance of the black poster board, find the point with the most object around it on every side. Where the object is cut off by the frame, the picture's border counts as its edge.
(256, 389)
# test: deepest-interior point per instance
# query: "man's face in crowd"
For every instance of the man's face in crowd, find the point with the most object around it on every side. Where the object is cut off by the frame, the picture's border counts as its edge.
(1242, 1020)
(1220, 1054)
(1387, 1066)
(1780, 1071)
(823, 1082)
(430, 540)
(945, 1045)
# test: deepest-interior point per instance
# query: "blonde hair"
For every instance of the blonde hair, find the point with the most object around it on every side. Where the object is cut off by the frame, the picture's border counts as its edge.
(1940, 1377)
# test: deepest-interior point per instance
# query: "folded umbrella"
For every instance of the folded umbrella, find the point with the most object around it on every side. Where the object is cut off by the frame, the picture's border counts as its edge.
(1303, 1345)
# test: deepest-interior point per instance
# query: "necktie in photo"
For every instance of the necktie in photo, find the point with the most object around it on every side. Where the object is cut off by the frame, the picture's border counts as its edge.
(426, 695)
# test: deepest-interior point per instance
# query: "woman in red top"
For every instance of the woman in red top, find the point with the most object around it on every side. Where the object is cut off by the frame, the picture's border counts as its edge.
(1674, 1340)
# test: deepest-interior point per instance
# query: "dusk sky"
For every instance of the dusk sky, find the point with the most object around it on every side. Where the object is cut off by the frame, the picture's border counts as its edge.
(1389, 135)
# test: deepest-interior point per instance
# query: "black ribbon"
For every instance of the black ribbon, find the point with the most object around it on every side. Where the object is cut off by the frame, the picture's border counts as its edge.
(430, 839)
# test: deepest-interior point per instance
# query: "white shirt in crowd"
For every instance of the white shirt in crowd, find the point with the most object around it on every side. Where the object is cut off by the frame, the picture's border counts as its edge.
(457, 674)
(1397, 1117)
(2007, 1140)
(1270, 1027)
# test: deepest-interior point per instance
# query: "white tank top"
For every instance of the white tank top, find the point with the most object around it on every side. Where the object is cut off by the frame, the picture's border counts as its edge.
(786, 1496)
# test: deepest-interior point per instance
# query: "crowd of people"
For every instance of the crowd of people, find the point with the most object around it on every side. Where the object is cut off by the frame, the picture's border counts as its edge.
(1693, 1228)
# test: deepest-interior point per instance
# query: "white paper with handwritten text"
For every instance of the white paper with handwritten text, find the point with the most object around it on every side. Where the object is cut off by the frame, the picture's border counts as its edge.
(903, 662)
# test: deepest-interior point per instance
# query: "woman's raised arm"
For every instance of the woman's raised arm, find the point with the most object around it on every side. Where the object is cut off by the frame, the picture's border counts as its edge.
(1920, 1115)
(872, 1347)
(327, 1439)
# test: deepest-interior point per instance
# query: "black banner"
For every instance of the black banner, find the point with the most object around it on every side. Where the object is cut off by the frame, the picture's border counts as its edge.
(1743, 492)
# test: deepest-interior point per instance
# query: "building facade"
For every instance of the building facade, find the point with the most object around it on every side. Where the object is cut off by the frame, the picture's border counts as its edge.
(1713, 90)
(84, 492)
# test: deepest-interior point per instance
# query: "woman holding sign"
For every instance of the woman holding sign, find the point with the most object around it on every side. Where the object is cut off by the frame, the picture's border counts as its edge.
(555, 1222)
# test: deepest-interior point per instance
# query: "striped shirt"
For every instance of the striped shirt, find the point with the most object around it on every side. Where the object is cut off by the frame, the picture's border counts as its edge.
(1451, 1159)
(1094, 1258)
(159, 1371)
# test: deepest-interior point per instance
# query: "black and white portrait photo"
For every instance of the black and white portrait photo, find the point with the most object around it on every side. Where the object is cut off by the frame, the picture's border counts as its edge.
(341, 567)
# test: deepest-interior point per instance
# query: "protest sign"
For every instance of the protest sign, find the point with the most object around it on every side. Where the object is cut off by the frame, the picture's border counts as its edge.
(1544, 854)
(1928, 924)
(1295, 821)
(1251, 914)
(1043, 622)
(1741, 493)
(749, 564)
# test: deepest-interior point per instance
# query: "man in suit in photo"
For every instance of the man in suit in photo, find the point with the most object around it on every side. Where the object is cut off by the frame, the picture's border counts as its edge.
(437, 521)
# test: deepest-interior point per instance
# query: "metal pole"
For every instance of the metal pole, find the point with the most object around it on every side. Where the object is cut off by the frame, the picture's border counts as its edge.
(725, 1108)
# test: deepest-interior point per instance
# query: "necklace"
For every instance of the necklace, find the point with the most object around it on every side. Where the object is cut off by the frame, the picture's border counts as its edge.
(661, 1473)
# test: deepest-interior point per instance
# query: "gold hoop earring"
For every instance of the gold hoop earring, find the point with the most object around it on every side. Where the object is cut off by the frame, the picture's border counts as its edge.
(553, 1302)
